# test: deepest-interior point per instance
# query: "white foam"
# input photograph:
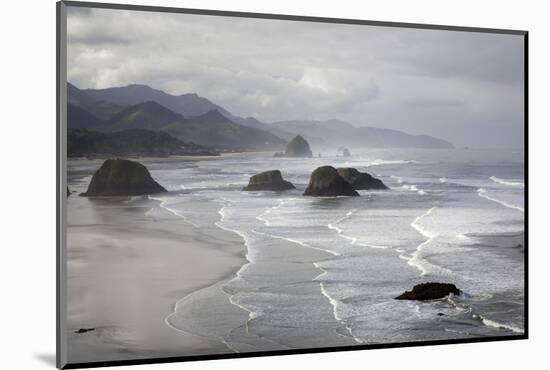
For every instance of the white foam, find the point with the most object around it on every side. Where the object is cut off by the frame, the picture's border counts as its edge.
(162, 204)
(413, 188)
(443, 180)
(262, 218)
(494, 324)
(399, 179)
(410, 187)
(380, 162)
(483, 193)
(251, 314)
(415, 260)
(334, 303)
(296, 241)
(353, 240)
(507, 182)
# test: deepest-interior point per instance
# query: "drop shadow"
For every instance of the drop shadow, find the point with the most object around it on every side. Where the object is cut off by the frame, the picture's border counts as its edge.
(47, 358)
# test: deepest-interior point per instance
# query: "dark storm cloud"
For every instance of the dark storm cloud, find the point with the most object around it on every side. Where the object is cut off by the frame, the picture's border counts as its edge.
(420, 81)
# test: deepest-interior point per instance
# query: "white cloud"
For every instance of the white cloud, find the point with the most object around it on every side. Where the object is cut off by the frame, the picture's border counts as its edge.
(421, 81)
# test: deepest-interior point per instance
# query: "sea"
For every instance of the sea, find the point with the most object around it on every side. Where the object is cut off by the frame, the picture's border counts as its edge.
(324, 271)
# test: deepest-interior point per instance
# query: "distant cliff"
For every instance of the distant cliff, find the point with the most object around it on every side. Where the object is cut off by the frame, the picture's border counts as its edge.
(341, 133)
(82, 142)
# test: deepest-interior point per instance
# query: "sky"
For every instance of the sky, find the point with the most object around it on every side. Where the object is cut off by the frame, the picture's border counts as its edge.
(465, 87)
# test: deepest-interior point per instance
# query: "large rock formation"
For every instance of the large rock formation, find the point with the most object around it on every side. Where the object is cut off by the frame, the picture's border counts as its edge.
(361, 180)
(427, 291)
(122, 177)
(326, 182)
(298, 147)
(268, 180)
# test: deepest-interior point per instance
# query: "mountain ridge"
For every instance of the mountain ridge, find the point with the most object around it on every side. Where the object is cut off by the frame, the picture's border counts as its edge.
(185, 115)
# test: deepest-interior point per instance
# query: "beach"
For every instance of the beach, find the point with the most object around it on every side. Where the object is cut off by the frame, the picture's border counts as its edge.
(129, 261)
(206, 268)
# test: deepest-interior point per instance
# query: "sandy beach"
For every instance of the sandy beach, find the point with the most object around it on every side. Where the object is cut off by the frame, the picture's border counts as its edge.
(129, 261)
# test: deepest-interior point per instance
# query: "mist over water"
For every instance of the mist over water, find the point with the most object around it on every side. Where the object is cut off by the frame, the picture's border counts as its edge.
(324, 271)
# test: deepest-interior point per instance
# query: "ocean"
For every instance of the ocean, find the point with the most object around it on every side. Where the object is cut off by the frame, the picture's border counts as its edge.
(324, 272)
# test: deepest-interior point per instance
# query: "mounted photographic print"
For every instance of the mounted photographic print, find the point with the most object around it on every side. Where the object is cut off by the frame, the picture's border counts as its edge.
(237, 184)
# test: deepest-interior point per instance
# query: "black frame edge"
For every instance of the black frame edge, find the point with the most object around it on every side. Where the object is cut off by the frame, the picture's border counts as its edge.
(61, 183)
(288, 17)
(58, 363)
(151, 361)
(526, 179)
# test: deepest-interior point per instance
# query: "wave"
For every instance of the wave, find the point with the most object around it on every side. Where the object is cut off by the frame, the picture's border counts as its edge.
(334, 303)
(175, 212)
(380, 162)
(296, 241)
(485, 321)
(414, 188)
(443, 180)
(483, 193)
(261, 217)
(415, 260)
(353, 240)
(251, 314)
(494, 324)
(507, 182)
(230, 297)
(397, 178)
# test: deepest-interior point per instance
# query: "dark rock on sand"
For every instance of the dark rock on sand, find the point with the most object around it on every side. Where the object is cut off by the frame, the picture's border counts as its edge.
(84, 330)
(122, 177)
(361, 180)
(428, 291)
(298, 147)
(326, 182)
(268, 180)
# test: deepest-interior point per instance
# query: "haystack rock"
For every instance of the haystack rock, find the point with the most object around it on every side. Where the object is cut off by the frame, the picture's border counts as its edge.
(428, 291)
(298, 147)
(326, 182)
(268, 180)
(119, 177)
(361, 180)
(344, 151)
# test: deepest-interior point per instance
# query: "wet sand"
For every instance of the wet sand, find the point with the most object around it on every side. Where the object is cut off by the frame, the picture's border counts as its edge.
(129, 261)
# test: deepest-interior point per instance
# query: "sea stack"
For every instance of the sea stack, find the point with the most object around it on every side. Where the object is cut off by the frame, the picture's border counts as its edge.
(121, 177)
(345, 151)
(361, 180)
(429, 291)
(268, 180)
(298, 147)
(326, 182)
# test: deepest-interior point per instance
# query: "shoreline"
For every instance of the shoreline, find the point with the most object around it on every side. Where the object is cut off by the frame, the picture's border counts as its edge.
(74, 161)
(127, 276)
(192, 311)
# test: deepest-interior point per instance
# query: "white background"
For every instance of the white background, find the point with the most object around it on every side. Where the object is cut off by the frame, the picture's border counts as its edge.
(27, 203)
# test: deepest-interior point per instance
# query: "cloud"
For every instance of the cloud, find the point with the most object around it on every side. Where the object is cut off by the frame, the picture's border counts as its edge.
(420, 81)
